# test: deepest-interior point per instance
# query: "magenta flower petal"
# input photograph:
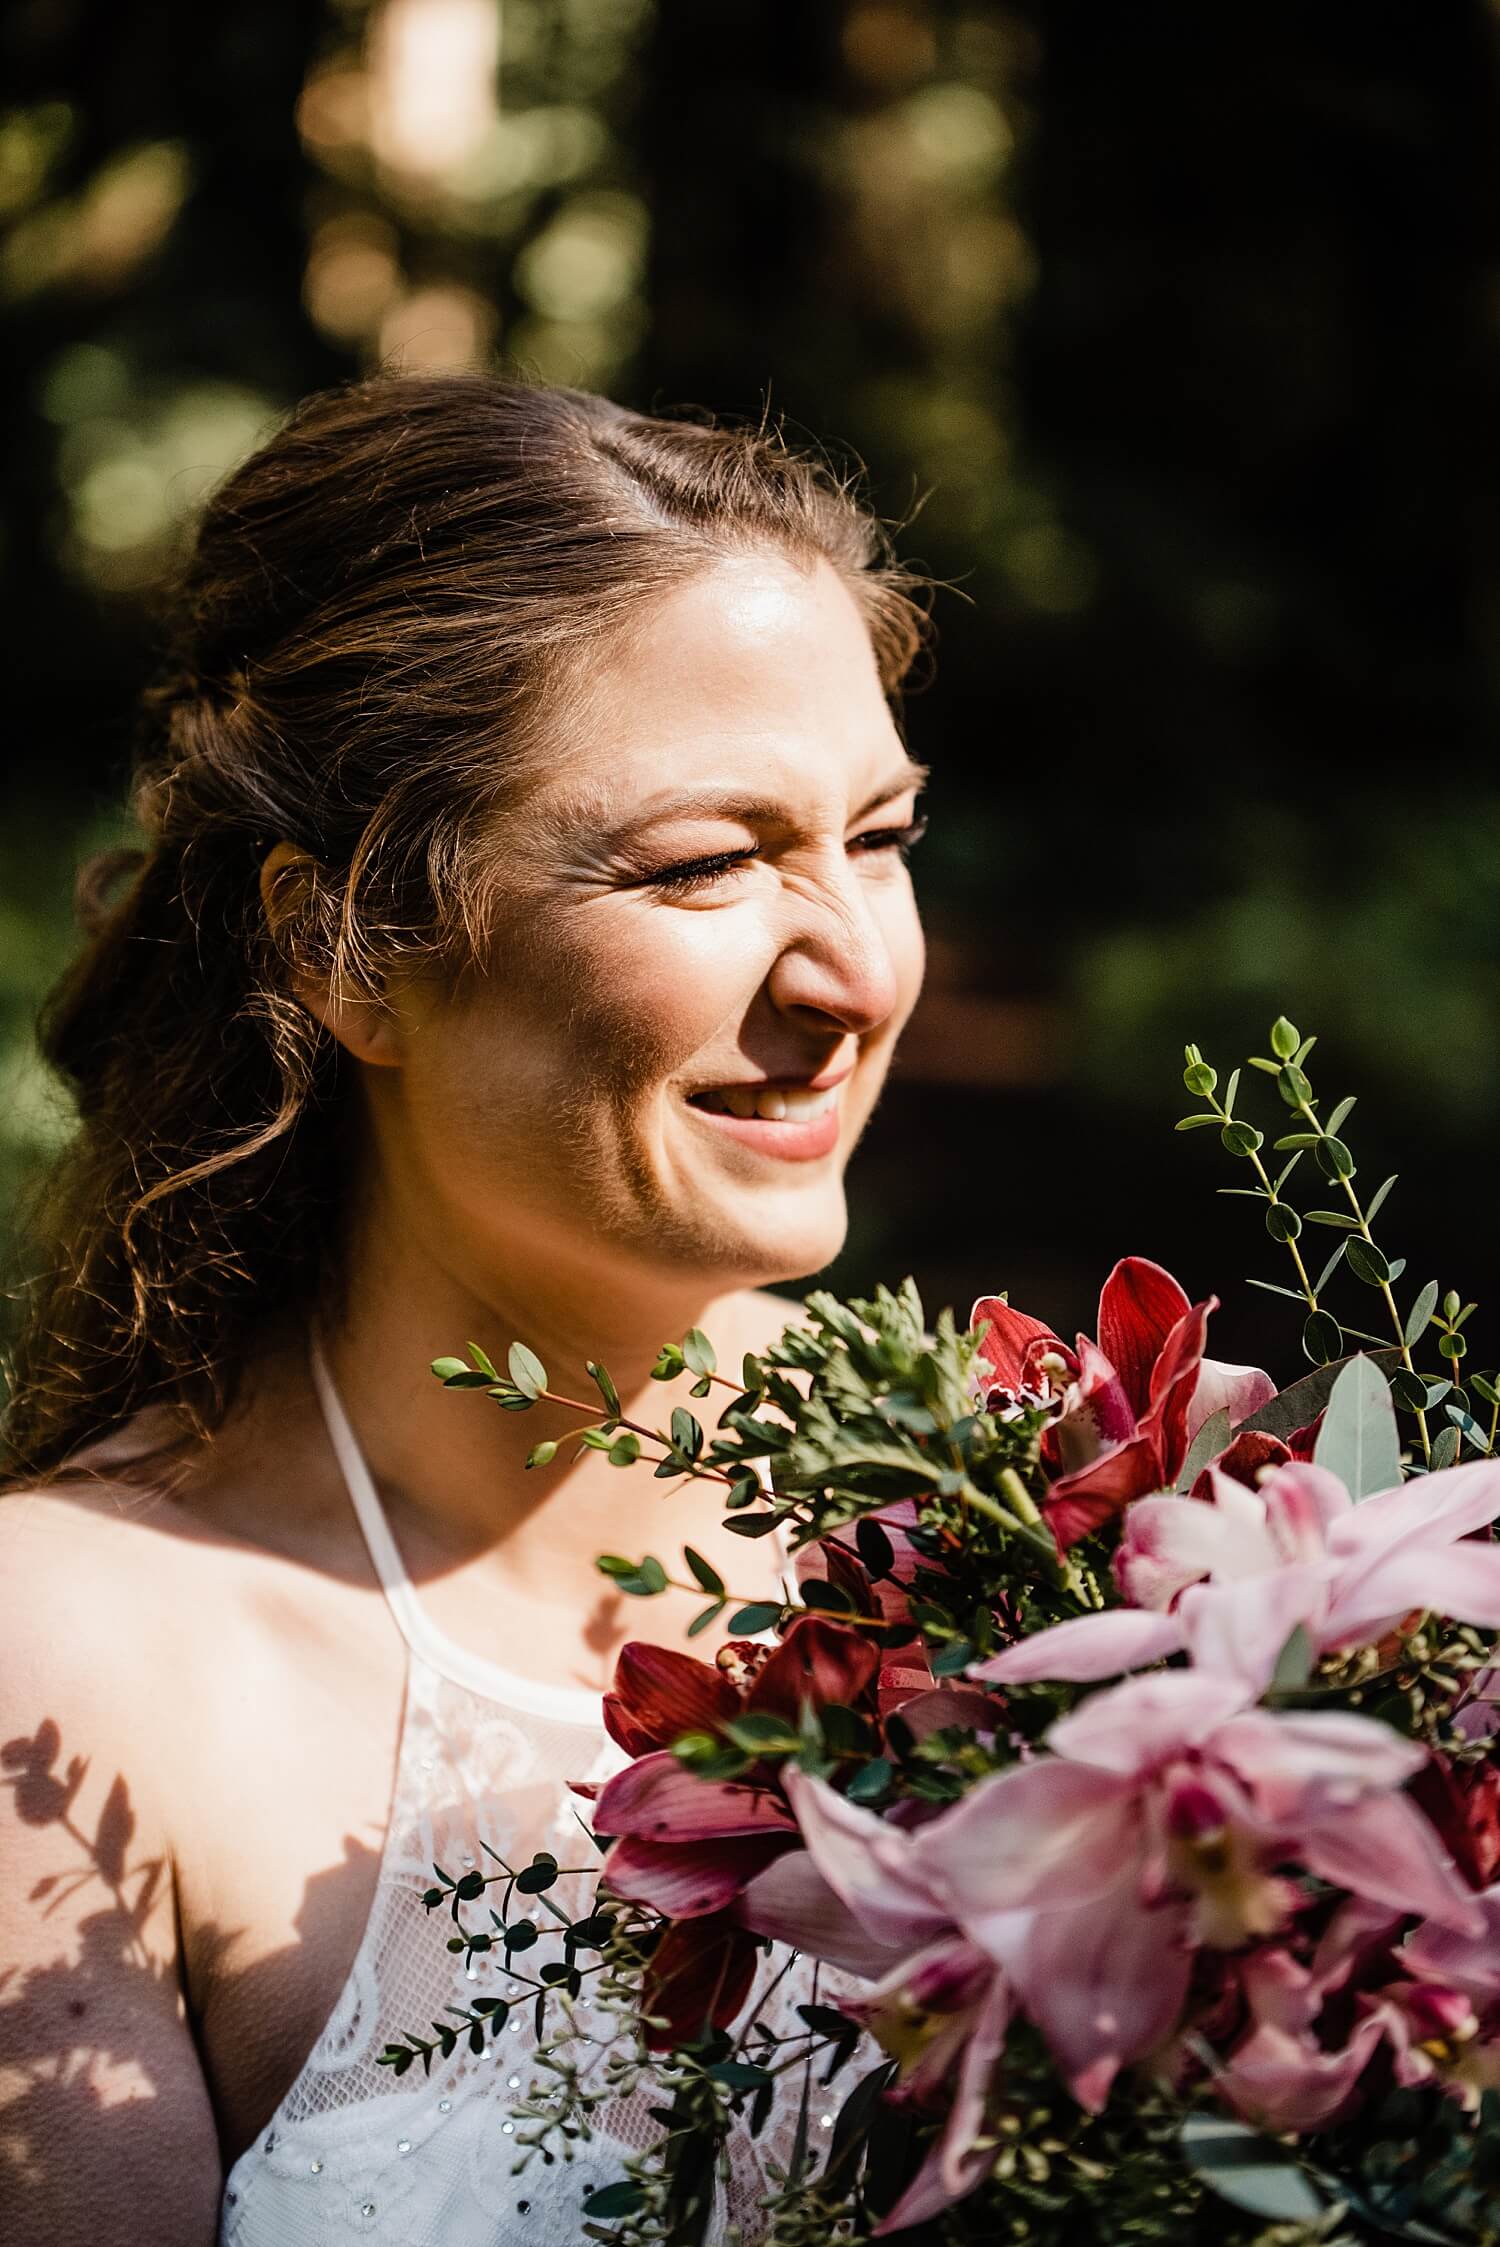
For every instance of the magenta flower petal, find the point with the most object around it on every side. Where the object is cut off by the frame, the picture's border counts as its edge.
(1105, 1985)
(1237, 1389)
(660, 1800)
(1143, 1721)
(872, 1866)
(1470, 1962)
(1384, 1849)
(1003, 1348)
(792, 1903)
(1047, 1833)
(1298, 1763)
(956, 2164)
(1279, 2081)
(1461, 1581)
(1087, 1648)
(684, 1882)
(1139, 1305)
(1238, 1630)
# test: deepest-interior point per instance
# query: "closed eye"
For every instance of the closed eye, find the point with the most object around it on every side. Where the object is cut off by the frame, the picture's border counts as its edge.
(690, 874)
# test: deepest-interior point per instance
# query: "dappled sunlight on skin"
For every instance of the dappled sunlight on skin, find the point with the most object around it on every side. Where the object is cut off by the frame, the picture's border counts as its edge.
(79, 2069)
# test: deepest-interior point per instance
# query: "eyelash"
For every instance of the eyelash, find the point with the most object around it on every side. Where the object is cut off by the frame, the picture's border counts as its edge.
(678, 880)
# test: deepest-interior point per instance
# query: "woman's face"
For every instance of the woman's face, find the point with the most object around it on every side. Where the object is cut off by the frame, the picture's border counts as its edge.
(705, 946)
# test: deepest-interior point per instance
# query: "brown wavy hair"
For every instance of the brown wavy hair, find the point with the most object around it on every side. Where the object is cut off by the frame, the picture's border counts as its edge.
(381, 610)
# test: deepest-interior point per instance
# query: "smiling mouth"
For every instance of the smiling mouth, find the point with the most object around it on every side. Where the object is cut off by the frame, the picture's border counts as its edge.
(770, 1103)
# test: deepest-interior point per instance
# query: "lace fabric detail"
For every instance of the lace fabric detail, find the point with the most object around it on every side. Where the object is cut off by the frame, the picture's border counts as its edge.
(484, 1770)
(354, 2151)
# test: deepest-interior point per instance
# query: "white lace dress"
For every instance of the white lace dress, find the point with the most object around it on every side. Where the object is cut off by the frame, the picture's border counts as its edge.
(354, 2152)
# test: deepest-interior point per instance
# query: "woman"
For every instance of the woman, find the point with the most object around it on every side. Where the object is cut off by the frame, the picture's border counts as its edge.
(518, 950)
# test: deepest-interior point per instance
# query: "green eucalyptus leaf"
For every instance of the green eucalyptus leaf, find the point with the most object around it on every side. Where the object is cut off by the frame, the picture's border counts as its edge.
(484, 1363)
(1322, 1337)
(1210, 1440)
(1320, 1285)
(751, 1525)
(616, 2201)
(1294, 1664)
(1339, 1219)
(1240, 1139)
(1409, 1390)
(1230, 1090)
(1333, 1158)
(1194, 1123)
(448, 1369)
(1377, 1201)
(1444, 1449)
(698, 1352)
(1485, 1386)
(1294, 1087)
(1297, 1139)
(687, 1433)
(626, 1448)
(759, 1615)
(1284, 1038)
(1468, 1426)
(1366, 1262)
(705, 1617)
(1248, 2170)
(708, 1576)
(1200, 1078)
(1282, 1222)
(1358, 1440)
(1341, 1114)
(758, 1732)
(1299, 1405)
(599, 1375)
(526, 1370)
(1274, 1287)
(1419, 1317)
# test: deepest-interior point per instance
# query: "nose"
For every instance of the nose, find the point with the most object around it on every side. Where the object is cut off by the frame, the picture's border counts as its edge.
(835, 967)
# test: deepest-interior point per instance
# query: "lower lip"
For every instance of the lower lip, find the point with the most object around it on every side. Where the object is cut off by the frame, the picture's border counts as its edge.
(792, 1142)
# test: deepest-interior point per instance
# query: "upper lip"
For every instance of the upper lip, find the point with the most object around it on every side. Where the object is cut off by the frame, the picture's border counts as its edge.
(823, 1083)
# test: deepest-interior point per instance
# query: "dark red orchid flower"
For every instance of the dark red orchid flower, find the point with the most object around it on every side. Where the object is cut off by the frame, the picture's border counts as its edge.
(687, 1846)
(1131, 1402)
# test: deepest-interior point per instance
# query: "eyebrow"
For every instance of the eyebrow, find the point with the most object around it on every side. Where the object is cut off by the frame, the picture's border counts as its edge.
(731, 802)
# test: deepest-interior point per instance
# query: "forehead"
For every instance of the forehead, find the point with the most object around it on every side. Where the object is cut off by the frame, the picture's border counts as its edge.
(757, 676)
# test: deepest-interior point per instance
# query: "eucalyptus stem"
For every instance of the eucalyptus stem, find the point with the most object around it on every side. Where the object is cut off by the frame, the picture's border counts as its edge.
(1309, 1116)
(637, 1428)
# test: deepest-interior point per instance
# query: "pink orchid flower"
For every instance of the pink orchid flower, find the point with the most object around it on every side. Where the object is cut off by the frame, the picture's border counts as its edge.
(861, 1898)
(1159, 1822)
(1227, 1579)
(1281, 2074)
(1131, 1402)
(1444, 2025)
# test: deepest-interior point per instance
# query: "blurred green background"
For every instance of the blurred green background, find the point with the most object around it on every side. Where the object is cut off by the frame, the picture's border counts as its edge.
(1178, 327)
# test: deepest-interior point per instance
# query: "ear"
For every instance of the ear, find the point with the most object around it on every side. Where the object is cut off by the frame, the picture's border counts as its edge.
(288, 891)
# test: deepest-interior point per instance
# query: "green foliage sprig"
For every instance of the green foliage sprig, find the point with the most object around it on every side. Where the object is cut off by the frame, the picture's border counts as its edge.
(1324, 1335)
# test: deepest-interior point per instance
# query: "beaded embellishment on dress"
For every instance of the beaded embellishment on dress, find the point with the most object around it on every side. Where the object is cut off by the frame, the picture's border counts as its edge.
(354, 2152)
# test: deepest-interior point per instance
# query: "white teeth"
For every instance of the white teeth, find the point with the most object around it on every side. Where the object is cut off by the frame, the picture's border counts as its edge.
(773, 1104)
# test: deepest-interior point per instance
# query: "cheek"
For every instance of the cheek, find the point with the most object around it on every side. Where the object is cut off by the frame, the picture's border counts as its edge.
(588, 1009)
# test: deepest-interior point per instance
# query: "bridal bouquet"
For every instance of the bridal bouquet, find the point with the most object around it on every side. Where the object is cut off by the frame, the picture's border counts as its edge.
(1125, 1754)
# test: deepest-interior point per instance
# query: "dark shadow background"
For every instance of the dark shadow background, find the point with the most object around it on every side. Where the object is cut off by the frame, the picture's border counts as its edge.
(1180, 327)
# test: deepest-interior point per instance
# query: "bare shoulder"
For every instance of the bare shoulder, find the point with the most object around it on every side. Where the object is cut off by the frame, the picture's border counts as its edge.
(104, 2103)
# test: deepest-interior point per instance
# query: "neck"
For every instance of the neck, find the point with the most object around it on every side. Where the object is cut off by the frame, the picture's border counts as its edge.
(455, 1460)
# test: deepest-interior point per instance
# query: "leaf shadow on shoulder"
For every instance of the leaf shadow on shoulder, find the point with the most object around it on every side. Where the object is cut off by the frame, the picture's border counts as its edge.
(108, 2101)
